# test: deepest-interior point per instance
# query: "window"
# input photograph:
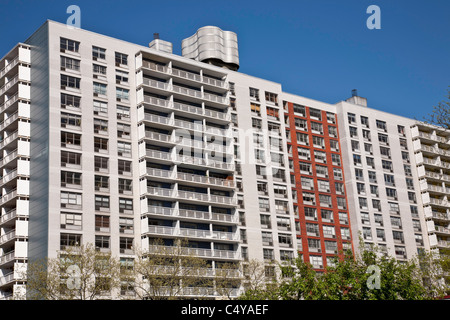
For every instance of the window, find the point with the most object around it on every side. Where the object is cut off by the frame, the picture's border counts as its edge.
(387, 165)
(331, 118)
(122, 94)
(401, 130)
(389, 180)
(385, 152)
(124, 166)
(254, 93)
(412, 197)
(100, 144)
(403, 144)
(101, 242)
(100, 126)
(70, 159)
(263, 204)
(101, 183)
(410, 183)
(69, 139)
(318, 142)
(383, 139)
(69, 63)
(336, 159)
(70, 178)
(71, 220)
(70, 199)
(353, 132)
(359, 174)
(324, 200)
(256, 123)
(100, 107)
(372, 177)
(69, 119)
(126, 225)
(322, 171)
(407, 169)
(357, 160)
(310, 213)
(337, 174)
(366, 135)
(301, 124)
(316, 126)
(123, 148)
(98, 69)
(69, 240)
(121, 58)
(123, 112)
(68, 100)
(316, 261)
(98, 53)
(102, 223)
(71, 82)
(268, 254)
(121, 76)
(323, 185)
(126, 245)
(365, 121)
(362, 203)
(367, 233)
(309, 198)
(315, 113)
(284, 240)
(376, 204)
(314, 244)
(329, 231)
(405, 156)
(312, 229)
(394, 207)
(125, 185)
(125, 204)
(381, 125)
(101, 202)
(351, 118)
(334, 145)
(360, 187)
(267, 238)
(101, 164)
(327, 215)
(69, 45)
(332, 131)
(374, 190)
(271, 97)
(320, 156)
(365, 218)
(391, 193)
(396, 222)
(370, 162)
(300, 110)
(398, 236)
(100, 88)
(302, 138)
(355, 145)
(265, 221)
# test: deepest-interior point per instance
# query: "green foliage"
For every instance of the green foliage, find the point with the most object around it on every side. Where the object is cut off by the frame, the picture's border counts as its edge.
(355, 278)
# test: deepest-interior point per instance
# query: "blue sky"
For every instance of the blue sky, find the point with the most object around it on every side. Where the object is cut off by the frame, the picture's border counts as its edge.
(320, 49)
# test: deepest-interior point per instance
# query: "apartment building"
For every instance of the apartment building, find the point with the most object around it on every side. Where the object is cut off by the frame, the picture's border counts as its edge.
(383, 191)
(128, 146)
(431, 146)
(317, 181)
(15, 167)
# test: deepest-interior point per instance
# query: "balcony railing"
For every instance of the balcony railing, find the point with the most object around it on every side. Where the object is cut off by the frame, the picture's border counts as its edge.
(157, 101)
(9, 84)
(156, 84)
(187, 91)
(9, 66)
(155, 67)
(9, 102)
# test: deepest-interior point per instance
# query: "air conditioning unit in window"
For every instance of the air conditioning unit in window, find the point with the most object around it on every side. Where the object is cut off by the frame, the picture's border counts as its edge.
(95, 94)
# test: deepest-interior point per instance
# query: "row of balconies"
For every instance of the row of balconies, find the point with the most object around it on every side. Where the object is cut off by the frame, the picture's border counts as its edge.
(171, 88)
(199, 252)
(191, 233)
(171, 174)
(200, 78)
(433, 137)
(189, 195)
(191, 214)
(173, 158)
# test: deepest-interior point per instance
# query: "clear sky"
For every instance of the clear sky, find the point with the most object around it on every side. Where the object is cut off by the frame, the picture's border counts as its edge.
(320, 49)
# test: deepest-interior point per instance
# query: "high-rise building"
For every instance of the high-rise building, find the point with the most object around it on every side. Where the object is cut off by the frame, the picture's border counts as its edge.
(126, 146)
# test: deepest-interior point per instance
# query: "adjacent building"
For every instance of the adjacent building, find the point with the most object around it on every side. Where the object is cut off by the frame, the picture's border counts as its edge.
(127, 146)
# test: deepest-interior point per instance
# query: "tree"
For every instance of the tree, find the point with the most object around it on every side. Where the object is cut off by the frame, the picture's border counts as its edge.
(440, 115)
(170, 272)
(372, 275)
(78, 273)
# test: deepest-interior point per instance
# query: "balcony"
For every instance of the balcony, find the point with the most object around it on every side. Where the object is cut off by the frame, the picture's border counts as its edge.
(8, 85)
(12, 137)
(159, 155)
(9, 102)
(199, 252)
(193, 195)
(156, 84)
(186, 75)
(156, 119)
(9, 66)
(165, 211)
(160, 137)
(155, 67)
(160, 192)
(187, 91)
